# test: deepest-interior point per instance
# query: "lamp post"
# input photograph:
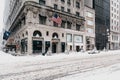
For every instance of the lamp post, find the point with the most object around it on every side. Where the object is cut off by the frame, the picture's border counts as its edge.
(108, 35)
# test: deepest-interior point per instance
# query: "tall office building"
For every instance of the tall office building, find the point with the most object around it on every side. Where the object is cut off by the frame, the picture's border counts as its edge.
(114, 24)
(33, 29)
(102, 23)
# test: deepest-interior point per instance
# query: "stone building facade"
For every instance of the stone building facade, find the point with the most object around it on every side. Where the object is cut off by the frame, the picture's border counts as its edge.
(90, 27)
(114, 24)
(33, 31)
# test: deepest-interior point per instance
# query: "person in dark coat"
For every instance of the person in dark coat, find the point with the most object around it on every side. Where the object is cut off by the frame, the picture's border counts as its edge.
(46, 50)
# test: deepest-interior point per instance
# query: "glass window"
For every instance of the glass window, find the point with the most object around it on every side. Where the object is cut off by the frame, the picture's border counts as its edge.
(77, 14)
(78, 39)
(77, 5)
(68, 10)
(89, 14)
(89, 30)
(69, 25)
(90, 22)
(62, 9)
(42, 2)
(42, 19)
(68, 2)
(63, 24)
(69, 37)
(55, 6)
(77, 27)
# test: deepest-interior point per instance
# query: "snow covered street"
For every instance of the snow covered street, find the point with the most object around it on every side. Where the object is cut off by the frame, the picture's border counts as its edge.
(74, 66)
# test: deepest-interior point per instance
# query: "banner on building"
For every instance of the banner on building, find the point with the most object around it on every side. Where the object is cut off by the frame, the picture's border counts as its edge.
(6, 35)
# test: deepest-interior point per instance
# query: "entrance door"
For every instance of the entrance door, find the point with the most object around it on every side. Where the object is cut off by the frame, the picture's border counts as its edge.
(24, 45)
(77, 48)
(63, 46)
(54, 47)
(37, 46)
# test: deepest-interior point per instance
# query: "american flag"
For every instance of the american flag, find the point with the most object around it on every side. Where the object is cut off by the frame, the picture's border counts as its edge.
(56, 19)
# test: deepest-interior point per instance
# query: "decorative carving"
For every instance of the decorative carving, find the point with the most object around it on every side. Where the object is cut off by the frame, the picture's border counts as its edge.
(69, 19)
(43, 12)
(63, 17)
(35, 12)
(50, 14)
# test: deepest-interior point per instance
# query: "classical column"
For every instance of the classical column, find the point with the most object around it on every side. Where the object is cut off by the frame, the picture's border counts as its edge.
(59, 47)
(30, 47)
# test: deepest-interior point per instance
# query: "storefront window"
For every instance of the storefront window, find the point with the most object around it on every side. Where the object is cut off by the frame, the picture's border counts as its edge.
(69, 37)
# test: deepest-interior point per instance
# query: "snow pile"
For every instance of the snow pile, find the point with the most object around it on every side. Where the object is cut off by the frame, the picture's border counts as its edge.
(7, 58)
(4, 57)
(4, 54)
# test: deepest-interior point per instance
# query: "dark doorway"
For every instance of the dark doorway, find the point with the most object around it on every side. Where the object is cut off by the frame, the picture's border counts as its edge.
(37, 46)
(47, 45)
(24, 45)
(63, 46)
(77, 48)
(54, 47)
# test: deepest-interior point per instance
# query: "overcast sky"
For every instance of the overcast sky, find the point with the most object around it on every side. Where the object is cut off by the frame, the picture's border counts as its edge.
(2, 2)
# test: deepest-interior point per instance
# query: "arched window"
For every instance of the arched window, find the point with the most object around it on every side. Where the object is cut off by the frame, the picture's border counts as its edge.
(37, 33)
(55, 35)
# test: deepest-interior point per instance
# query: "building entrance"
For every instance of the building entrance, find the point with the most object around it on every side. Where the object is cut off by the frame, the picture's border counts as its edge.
(37, 46)
(54, 47)
(63, 46)
(77, 48)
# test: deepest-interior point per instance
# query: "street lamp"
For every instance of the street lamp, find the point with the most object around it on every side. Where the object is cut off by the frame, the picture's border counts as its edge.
(108, 35)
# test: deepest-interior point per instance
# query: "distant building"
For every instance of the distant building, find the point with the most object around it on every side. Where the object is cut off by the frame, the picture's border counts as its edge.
(32, 29)
(89, 24)
(102, 23)
(114, 24)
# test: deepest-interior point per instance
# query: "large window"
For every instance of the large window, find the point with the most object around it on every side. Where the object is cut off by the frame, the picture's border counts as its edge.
(77, 14)
(42, 2)
(42, 19)
(69, 37)
(77, 5)
(63, 24)
(68, 10)
(90, 23)
(62, 9)
(90, 30)
(78, 27)
(78, 39)
(55, 6)
(69, 2)
(89, 14)
(69, 25)
(37, 33)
